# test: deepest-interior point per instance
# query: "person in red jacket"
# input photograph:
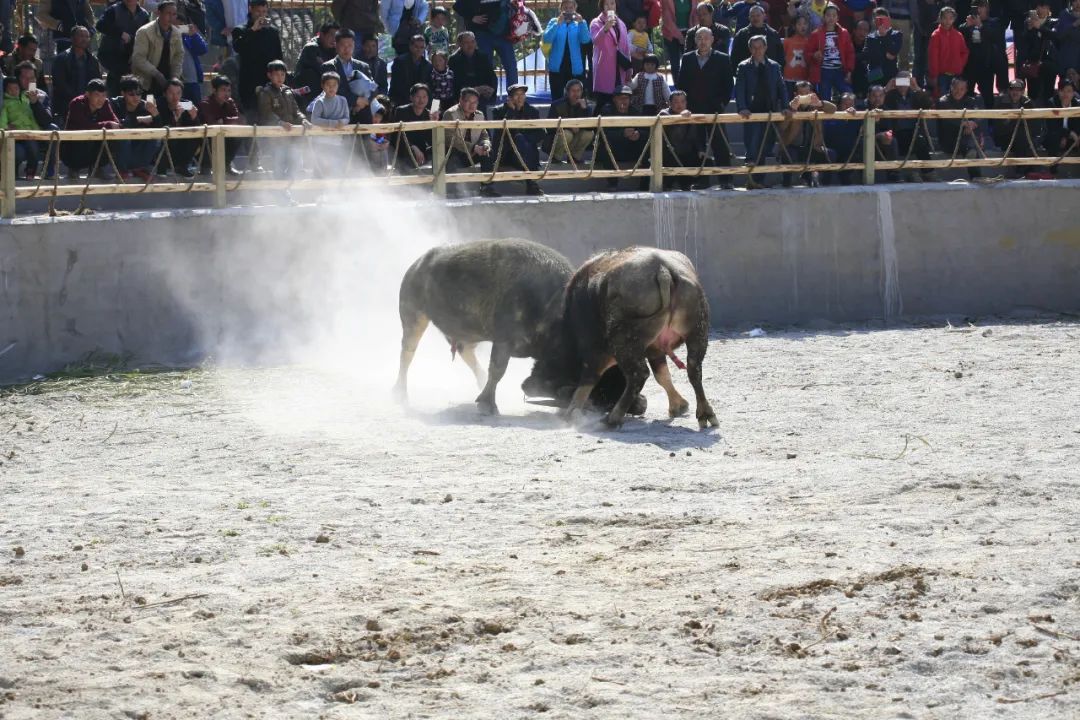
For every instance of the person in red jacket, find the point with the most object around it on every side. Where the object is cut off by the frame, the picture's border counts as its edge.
(89, 111)
(948, 53)
(831, 55)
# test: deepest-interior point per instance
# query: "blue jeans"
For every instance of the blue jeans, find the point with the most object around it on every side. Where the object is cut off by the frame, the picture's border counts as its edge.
(133, 154)
(832, 79)
(27, 150)
(755, 135)
(489, 43)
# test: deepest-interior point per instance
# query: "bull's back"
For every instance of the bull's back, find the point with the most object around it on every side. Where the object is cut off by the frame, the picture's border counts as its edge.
(495, 290)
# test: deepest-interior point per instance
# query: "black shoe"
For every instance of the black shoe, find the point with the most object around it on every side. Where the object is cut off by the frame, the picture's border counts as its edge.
(488, 190)
(613, 183)
(533, 188)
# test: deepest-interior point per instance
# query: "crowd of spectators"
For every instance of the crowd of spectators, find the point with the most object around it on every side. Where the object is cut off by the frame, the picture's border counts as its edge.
(802, 61)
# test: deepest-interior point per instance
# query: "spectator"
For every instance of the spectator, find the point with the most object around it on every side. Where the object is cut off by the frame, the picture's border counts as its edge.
(158, 51)
(831, 55)
(683, 147)
(626, 144)
(117, 27)
(796, 67)
(987, 62)
(527, 142)
(882, 50)
(61, 16)
(1040, 60)
(402, 20)
(904, 18)
(175, 112)
(409, 68)
(1068, 38)
(884, 134)
(436, 32)
(721, 33)
(277, 106)
(1010, 135)
(192, 14)
(219, 108)
(630, 10)
(330, 110)
(740, 47)
(356, 85)
(677, 18)
(611, 53)
(570, 142)
(640, 43)
(39, 99)
(442, 81)
(309, 66)
(489, 21)
(802, 137)
(369, 53)
(473, 70)
(566, 33)
(467, 145)
(89, 111)
(759, 88)
(859, 82)
(416, 142)
(910, 135)
(650, 88)
(26, 50)
(257, 43)
(359, 16)
(217, 34)
(743, 11)
(959, 137)
(16, 114)
(948, 52)
(133, 157)
(843, 138)
(73, 68)
(860, 9)
(812, 10)
(706, 80)
(1063, 134)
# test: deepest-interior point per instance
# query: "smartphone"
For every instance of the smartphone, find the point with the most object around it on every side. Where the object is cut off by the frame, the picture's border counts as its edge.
(186, 105)
(150, 99)
(804, 100)
(903, 82)
(435, 105)
(183, 29)
(611, 13)
(32, 87)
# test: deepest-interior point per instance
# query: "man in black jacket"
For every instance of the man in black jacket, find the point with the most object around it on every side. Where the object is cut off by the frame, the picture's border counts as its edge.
(369, 53)
(684, 147)
(473, 69)
(1013, 140)
(706, 77)
(626, 144)
(527, 142)
(909, 135)
(409, 69)
(959, 136)
(987, 61)
(72, 69)
(313, 56)
(721, 34)
(774, 46)
(574, 141)
(356, 85)
(417, 142)
(117, 26)
(258, 43)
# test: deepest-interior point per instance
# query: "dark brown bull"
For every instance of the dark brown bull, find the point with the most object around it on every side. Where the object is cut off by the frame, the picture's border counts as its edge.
(628, 308)
(502, 291)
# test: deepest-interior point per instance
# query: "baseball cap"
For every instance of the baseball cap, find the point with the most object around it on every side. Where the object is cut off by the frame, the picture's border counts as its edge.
(623, 90)
(1016, 84)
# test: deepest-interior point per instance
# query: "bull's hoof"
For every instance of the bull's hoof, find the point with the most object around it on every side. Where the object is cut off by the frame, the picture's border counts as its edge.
(614, 421)
(678, 409)
(401, 395)
(486, 407)
(638, 406)
(706, 419)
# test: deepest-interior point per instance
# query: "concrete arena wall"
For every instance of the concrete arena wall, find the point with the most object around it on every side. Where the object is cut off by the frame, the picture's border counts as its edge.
(110, 282)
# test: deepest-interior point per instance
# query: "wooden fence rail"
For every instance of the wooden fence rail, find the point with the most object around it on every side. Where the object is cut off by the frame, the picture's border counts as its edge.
(213, 138)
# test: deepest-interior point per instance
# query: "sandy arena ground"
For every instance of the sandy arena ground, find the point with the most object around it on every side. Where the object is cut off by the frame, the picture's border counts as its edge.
(886, 525)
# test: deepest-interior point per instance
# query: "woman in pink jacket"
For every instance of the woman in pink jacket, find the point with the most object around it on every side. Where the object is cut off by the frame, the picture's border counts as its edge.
(609, 39)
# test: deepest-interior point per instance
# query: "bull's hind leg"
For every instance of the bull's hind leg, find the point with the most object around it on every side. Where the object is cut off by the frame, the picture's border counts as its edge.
(413, 325)
(696, 345)
(500, 357)
(468, 354)
(677, 404)
(636, 372)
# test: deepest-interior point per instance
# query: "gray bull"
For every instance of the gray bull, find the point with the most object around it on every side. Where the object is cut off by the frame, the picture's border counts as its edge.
(502, 291)
(628, 308)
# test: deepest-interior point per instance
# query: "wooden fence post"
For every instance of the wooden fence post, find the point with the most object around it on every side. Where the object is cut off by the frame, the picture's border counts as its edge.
(7, 176)
(219, 167)
(656, 158)
(438, 161)
(869, 148)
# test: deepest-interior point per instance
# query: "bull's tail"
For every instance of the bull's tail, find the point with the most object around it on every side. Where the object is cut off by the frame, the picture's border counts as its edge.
(664, 281)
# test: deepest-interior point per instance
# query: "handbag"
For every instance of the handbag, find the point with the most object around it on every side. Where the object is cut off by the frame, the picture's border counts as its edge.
(1030, 70)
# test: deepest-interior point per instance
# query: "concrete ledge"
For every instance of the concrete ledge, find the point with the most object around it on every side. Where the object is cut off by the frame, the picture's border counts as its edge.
(173, 286)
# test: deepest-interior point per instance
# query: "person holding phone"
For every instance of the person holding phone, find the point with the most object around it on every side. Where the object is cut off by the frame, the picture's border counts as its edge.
(176, 112)
(881, 53)
(903, 93)
(611, 53)
(257, 43)
(802, 135)
(566, 33)
(158, 51)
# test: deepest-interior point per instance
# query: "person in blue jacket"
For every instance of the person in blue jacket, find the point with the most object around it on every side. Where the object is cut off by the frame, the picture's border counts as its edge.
(193, 14)
(403, 19)
(759, 88)
(565, 34)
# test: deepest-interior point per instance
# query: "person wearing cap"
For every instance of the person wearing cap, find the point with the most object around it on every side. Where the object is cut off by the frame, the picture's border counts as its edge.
(572, 142)
(1013, 140)
(527, 142)
(903, 93)
(721, 34)
(626, 143)
(408, 69)
(650, 88)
